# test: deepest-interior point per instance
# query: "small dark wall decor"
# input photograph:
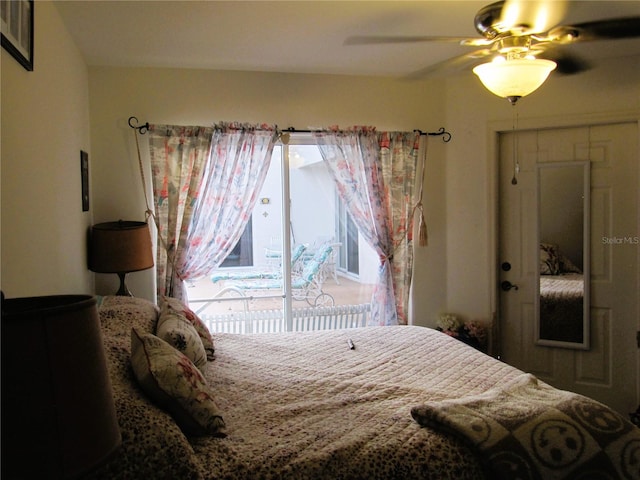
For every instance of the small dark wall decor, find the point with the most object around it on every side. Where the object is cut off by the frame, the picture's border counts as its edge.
(84, 175)
(16, 27)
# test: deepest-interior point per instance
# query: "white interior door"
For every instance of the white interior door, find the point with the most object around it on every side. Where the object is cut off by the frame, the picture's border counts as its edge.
(608, 370)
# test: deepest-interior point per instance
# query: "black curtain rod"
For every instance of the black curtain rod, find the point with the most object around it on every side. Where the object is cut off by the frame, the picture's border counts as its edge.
(446, 136)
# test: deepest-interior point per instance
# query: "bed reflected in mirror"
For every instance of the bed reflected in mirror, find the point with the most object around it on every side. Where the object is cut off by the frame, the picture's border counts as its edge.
(563, 233)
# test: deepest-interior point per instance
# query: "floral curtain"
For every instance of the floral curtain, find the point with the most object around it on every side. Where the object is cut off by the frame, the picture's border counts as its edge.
(205, 184)
(375, 177)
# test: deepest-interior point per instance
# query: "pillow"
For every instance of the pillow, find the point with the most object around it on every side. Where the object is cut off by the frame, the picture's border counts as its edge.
(179, 308)
(175, 384)
(178, 332)
(549, 260)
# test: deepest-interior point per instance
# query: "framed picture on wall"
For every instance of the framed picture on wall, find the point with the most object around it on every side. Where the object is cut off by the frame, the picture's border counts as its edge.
(84, 175)
(16, 27)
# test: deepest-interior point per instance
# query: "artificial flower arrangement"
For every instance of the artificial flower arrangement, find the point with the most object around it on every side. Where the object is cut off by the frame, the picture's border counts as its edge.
(470, 332)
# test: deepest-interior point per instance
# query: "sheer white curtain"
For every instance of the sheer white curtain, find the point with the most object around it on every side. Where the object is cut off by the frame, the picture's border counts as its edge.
(375, 174)
(205, 185)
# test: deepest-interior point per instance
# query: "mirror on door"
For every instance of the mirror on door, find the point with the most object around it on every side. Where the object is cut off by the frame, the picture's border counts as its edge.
(562, 298)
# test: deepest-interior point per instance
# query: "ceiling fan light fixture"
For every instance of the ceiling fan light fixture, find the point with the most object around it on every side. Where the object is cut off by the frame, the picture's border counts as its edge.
(514, 77)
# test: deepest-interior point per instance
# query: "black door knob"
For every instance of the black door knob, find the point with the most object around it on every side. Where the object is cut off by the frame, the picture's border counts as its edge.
(506, 285)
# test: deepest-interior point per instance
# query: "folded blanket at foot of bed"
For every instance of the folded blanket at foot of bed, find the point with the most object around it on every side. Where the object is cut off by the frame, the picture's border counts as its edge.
(529, 430)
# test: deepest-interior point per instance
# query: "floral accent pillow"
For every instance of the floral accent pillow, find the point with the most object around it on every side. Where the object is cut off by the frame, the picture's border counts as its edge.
(178, 332)
(549, 259)
(175, 384)
(176, 307)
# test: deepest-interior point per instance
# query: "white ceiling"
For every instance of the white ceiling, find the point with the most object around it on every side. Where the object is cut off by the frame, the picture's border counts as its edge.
(295, 36)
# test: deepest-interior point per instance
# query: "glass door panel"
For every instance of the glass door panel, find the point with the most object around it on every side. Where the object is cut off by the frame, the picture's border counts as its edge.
(307, 256)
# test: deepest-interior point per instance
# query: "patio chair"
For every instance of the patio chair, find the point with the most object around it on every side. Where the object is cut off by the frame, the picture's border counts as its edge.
(296, 256)
(305, 286)
(331, 265)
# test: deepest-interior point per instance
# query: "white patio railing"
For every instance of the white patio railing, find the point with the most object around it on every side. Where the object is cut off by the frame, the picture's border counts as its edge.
(304, 319)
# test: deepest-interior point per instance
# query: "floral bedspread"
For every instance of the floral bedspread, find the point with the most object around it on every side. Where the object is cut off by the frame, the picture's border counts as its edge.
(303, 405)
(306, 406)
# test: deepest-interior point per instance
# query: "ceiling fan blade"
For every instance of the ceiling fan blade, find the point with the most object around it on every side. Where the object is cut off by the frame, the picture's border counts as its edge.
(567, 63)
(381, 39)
(612, 29)
(452, 64)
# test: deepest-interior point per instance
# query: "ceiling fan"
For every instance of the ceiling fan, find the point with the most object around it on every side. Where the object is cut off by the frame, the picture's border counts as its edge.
(524, 41)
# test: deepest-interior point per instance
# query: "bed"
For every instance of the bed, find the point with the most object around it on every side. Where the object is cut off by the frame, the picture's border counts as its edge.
(562, 307)
(368, 403)
(561, 296)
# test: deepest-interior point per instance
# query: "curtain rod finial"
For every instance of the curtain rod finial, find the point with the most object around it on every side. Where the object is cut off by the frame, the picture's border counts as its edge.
(446, 136)
(142, 129)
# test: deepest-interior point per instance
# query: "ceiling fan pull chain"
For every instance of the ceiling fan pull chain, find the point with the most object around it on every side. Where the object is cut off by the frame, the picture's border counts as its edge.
(514, 127)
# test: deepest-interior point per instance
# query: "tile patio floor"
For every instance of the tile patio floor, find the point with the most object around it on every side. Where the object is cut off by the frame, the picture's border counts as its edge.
(347, 292)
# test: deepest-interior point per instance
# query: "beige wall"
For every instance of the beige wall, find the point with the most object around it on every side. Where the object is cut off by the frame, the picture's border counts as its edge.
(45, 124)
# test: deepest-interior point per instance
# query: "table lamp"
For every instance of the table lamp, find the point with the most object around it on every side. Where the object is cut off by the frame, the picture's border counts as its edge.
(120, 247)
(58, 415)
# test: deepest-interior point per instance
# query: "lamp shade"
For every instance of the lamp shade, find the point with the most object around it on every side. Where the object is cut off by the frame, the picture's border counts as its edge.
(58, 415)
(120, 247)
(514, 78)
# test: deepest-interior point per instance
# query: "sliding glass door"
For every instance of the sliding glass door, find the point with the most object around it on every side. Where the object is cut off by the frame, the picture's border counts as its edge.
(306, 255)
